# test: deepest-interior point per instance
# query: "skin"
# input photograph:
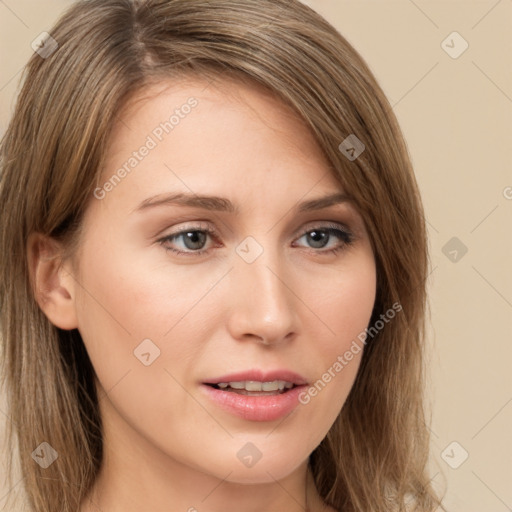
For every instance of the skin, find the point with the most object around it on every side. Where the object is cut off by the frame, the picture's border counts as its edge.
(295, 307)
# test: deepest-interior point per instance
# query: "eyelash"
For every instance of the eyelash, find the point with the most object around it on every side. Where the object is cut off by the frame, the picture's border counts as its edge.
(331, 229)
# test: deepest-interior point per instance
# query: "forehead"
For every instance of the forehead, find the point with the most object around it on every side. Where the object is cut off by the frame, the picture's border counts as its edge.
(223, 102)
(236, 136)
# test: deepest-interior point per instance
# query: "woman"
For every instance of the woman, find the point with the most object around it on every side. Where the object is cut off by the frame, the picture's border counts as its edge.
(214, 265)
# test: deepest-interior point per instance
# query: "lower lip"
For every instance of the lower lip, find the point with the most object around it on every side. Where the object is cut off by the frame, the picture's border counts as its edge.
(255, 408)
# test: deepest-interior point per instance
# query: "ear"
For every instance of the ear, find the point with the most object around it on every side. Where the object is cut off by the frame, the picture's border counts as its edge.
(52, 281)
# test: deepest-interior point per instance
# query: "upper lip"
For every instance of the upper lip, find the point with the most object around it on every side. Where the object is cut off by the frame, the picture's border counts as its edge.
(261, 376)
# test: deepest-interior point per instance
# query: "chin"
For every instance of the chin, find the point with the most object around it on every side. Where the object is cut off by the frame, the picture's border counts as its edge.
(271, 465)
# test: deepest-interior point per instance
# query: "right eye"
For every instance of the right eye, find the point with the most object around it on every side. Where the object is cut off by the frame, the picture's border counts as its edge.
(192, 240)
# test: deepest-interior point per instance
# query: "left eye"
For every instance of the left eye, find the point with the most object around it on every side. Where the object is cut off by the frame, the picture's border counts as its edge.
(321, 236)
(194, 239)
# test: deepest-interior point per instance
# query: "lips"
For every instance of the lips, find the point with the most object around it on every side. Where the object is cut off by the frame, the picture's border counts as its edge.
(256, 395)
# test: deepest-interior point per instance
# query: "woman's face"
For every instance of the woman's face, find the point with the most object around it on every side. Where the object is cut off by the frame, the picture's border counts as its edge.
(261, 281)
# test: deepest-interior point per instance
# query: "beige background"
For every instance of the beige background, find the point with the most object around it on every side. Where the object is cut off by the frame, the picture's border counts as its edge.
(456, 114)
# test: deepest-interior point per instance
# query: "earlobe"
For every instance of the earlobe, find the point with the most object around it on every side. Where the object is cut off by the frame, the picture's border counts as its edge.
(52, 282)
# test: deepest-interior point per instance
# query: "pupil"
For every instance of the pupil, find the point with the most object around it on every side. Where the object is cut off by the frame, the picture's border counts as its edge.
(196, 238)
(322, 238)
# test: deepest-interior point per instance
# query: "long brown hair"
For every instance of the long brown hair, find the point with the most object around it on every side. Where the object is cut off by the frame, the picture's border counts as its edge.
(374, 457)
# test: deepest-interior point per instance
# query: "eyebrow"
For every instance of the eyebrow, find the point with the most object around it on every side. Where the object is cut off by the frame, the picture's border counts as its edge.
(222, 204)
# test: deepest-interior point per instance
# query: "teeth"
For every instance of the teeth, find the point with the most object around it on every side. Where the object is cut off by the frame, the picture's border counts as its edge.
(237, 385)
(254, 385)
(270, 386)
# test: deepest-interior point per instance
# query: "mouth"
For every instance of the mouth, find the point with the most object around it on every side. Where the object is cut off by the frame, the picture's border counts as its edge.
(256, 395)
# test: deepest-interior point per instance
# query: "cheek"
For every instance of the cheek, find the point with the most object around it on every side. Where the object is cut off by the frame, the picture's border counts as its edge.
(128, 306)
(343, 306)
(342, 301)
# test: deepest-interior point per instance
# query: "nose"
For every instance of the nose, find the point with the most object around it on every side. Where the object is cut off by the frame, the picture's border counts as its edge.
(263, 305)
